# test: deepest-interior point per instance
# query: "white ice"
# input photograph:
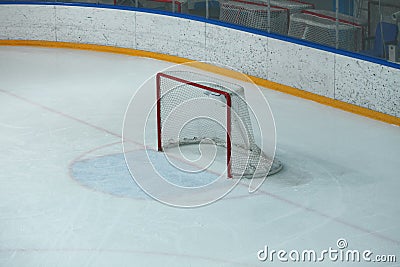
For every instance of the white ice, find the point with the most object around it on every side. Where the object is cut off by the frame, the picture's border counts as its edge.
(58, 107)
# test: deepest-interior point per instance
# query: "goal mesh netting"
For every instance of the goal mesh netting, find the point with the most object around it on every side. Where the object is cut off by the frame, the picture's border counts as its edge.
(292, 6)
(322, 29)
(194, 108)
(255, 15)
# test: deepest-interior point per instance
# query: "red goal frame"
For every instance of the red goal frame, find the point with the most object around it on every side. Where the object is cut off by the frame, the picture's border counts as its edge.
(204, 87)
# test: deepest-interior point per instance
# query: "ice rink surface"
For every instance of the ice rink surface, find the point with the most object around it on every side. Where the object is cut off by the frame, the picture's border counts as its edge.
(66, 198)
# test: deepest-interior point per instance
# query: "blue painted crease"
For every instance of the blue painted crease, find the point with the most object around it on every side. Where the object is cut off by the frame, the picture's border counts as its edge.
(110, 174)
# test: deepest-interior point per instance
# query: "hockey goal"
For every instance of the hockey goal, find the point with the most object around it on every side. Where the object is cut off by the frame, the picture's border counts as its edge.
(257, 15)
(321, 27)
(193, 108)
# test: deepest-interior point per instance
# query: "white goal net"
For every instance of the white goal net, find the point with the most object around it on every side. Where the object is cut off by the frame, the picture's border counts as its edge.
(255, 15)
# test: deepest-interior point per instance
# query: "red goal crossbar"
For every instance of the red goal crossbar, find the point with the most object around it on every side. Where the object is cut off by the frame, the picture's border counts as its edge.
(309, 12)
